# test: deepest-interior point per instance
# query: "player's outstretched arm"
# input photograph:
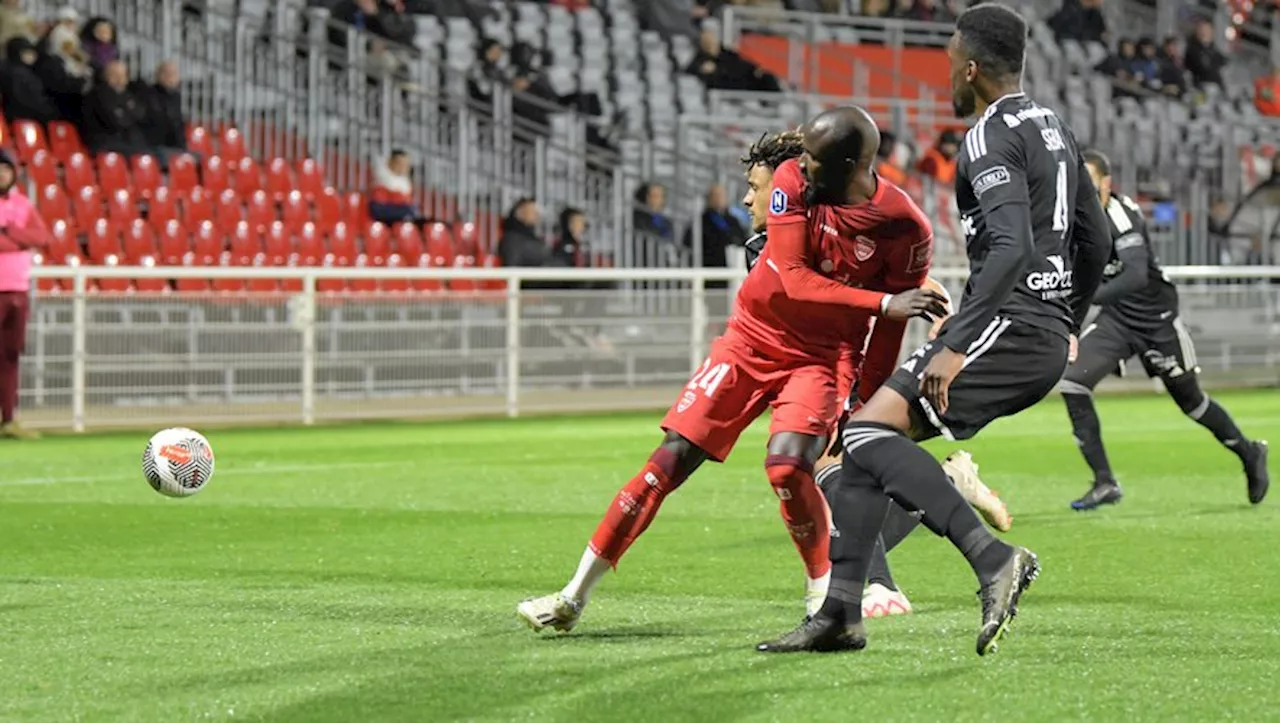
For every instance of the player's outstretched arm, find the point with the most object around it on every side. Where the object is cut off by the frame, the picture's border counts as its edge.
(1091, 244)
(1133, 254)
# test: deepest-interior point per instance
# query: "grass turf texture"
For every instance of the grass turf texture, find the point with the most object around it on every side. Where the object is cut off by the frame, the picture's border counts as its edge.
(370, 573)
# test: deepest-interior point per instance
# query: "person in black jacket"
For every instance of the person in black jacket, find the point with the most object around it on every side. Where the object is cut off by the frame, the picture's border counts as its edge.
(24, 93)
(113, 117)
(520, 244)
(722, 69)
(719, 231)
(163, 126)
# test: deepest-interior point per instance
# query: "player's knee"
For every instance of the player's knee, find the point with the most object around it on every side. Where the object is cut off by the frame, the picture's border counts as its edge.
(787, 474)
(1189, 397)
(685, 455)
(1068, 387)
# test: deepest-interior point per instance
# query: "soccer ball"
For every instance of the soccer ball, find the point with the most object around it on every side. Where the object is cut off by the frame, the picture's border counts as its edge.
(178, 462)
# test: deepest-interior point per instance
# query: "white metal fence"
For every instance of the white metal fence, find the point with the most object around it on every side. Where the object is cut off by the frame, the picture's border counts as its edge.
(528, 341)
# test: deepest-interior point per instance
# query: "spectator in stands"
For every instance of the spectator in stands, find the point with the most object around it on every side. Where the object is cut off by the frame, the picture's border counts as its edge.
(163, 125)
(1145, 65)
(939, 162)
(570, 247)
(391, 199)
(1266, 93)
(488, 72)
(720, 229)
(888, 159)
(21, 231)
(520, 244)
(668, 17)
(649, 218)
(63, 43)
(1173, 76)
(380, 17)
(98, 38)
(924, 10)
(113, 117)
(15, 22)
(726, 70)
(1079, 20)
(535, 99)
(1203, 59)
(1119, 65)
(24, 93)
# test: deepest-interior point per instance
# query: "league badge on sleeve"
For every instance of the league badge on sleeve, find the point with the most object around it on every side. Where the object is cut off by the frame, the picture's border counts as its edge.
(777, 201)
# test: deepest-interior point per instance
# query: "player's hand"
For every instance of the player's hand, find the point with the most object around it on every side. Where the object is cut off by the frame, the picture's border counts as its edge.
(936, 328)
(1073, 349)
(937, 377)
(916, 302)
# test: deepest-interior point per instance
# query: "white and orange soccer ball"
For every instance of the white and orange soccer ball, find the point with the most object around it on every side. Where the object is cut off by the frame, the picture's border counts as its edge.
(178, 462)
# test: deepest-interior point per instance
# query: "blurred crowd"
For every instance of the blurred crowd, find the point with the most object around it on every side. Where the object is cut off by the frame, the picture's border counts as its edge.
(64, 68)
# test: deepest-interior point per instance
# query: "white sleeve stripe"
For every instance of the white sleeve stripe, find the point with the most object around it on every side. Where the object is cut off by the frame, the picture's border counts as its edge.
(1118, 216)
(976, 140)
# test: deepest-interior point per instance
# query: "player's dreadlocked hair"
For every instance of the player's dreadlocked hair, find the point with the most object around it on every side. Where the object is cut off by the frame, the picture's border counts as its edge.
(774, 148)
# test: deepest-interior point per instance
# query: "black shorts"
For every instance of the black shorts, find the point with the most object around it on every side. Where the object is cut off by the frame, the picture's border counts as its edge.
(1010, 367)
(1166, 352)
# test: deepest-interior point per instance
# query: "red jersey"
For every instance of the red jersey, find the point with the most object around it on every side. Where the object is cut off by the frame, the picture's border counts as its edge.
(825, 271)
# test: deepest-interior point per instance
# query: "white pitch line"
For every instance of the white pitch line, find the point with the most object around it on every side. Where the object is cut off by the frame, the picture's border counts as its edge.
(235, 471)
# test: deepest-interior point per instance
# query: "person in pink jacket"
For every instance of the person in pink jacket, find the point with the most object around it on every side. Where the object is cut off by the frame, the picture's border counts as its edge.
(21, 231)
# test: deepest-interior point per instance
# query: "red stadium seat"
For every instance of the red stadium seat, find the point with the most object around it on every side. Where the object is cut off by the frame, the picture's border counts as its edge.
(214, 175)
(231, 145)
(122, 207)
(261, 211)
(150, 285)
(310, 177)
(194, 285)
(490, 261)
(53, 204)
(229, 211)
(183, 175)
(439, 245)
(175, 243)
(377, 244)
(364, 286)
(311, 249)
(28, 137)
(246, 243)
(295, 212)
(395, 286)
(113, 285)
(408, 242)
(342, 244)
(78, 173)
(279, 180)
(64, 243)
(466, 238)
(197, 208)
(208, 244)
(328, 208)
(87, 207)
(199, 141)
(162, 209)
(463, 261)
(355, 210)
(139, 242)
(248, 177)
(42, 169)
(113, 171)
(104, 241)
(146, 175)
(263, 286)
(279, 245)
(64, 140)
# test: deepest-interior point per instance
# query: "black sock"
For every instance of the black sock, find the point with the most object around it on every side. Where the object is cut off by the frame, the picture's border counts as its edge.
(878, 571)
(898, 523)
(911, 477)
(857, 512)
(1088, 433)
(1216, 420)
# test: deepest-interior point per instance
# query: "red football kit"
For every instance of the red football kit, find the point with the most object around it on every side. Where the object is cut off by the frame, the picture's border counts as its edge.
(807, 303)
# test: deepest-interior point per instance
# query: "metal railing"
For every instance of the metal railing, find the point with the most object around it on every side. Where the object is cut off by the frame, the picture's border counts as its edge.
(532, 341)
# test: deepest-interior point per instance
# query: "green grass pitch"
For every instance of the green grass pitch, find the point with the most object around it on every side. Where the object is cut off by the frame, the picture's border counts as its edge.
(371, 573)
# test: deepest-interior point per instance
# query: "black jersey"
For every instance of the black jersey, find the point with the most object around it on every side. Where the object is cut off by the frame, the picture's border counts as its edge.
(1034, 231)
(1134, 287)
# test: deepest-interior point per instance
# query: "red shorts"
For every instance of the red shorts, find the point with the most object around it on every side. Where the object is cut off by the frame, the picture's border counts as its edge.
(735, 385)
(13, 321)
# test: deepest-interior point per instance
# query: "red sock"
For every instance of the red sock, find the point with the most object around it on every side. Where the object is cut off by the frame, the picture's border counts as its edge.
(804, 510)
(635, 506)
(8, 386)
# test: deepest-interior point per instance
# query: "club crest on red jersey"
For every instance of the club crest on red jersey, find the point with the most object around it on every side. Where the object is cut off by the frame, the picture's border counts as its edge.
(864, 248)
(777, 201)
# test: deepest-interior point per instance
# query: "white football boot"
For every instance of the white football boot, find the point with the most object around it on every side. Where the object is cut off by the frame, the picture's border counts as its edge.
(963, 472)
(879, 601)
(550, 611)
